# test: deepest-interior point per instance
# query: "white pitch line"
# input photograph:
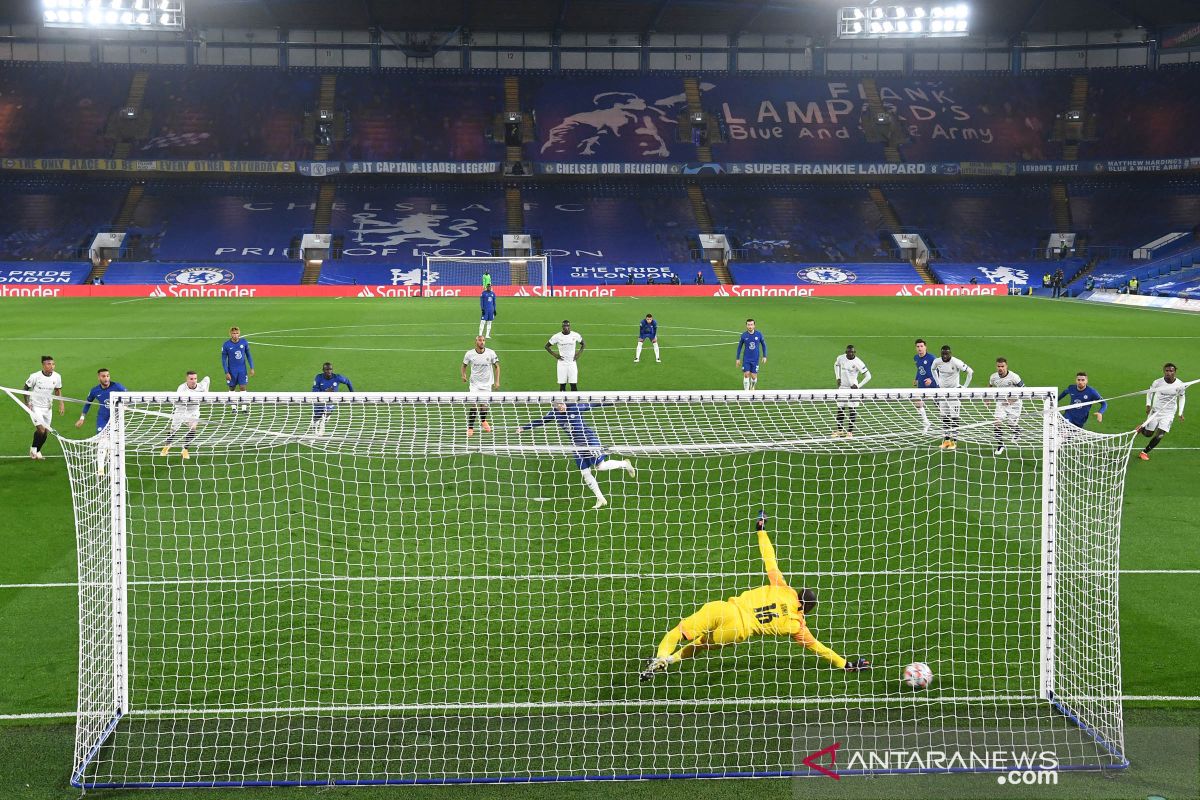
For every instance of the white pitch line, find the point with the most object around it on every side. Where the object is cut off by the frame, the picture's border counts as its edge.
(324, 348)
(532, 706)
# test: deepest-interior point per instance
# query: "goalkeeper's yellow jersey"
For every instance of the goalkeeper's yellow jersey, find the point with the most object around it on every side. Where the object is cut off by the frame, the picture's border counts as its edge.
(771, 611)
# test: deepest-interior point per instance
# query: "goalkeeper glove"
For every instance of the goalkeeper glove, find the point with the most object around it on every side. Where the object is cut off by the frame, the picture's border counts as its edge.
(857, 665)
(762, 520)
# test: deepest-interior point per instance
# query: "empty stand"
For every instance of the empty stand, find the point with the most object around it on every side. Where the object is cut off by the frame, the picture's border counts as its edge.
(45, 220)
(245, 221)
(56, 111)
(790, 223)
(1144, 114)
(207, 113)
(590, 224)
(399, 116)
(976, 222)
(1130, 213)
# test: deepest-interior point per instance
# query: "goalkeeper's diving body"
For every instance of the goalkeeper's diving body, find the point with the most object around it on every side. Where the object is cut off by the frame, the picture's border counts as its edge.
(772, 610)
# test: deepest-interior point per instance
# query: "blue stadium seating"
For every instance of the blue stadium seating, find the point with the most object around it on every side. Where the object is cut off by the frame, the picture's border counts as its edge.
(49, 111)
(245, 221)
(1133, 213)
(798, 223)
(1184, 284)
(976, 222)
(1115, 273)
(46, 220)
(588, 224)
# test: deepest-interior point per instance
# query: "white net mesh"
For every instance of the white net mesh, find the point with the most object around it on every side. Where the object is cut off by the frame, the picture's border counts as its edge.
(381, 598)
(503, 271)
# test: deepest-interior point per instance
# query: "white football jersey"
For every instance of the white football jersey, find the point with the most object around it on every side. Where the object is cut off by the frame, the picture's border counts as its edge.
(1011, 380)
(190, 408)
(566, 344)
(481, 366)
(850, 372)
(947, 373)
(1167, 398)
(41, 388)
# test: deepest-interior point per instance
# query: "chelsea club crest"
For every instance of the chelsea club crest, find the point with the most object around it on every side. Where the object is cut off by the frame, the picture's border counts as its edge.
(826, 275)
(199, 276)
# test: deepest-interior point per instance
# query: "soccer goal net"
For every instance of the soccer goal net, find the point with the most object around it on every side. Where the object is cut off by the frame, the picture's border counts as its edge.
(470, 271)
(349, 589)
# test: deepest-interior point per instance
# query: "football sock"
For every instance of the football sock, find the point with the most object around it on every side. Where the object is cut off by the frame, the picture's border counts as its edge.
(592, 483)
(638, 352)
(746, 383)
(1153, 443)
(655, 350)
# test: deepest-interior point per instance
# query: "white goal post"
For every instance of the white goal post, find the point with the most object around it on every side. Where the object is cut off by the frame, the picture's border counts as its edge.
(347, 589)
(469, 271)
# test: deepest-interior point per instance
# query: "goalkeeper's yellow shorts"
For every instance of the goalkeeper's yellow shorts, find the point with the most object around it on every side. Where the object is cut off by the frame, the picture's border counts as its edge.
(716, 623)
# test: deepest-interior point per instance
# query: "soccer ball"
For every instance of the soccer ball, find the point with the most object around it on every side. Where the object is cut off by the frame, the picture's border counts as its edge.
(918, 675)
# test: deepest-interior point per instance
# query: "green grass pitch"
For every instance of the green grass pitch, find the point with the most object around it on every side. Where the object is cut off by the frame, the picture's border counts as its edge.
(416, 345)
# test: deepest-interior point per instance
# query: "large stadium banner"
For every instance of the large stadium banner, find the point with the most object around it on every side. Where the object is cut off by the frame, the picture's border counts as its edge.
(43, 272)
(614, 118)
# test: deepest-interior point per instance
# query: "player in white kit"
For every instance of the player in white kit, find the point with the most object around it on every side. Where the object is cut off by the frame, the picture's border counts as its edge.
(1008, 412)
(186, 413)
(947, 373)
(1164, 402)
(43, 386)
(570, 348)
(480, 370)
(851, 373)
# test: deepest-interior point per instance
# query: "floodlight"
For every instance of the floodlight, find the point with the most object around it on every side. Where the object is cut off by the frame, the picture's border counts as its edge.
(902, 21)
(128, 14)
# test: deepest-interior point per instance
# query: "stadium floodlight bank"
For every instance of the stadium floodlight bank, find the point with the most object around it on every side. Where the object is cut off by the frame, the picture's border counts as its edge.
(366, 595)
(920, 21)
(129, 15)
(470, 270)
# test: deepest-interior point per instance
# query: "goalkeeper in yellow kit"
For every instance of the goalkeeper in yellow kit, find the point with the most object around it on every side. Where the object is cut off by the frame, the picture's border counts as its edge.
(772, 610)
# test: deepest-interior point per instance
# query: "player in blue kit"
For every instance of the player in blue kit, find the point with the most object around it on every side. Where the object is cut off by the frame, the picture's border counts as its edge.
(99, 395)
(589, 452)
(237, 363)
(1080, 392)
(647, 330)
(327, 381)
(751, 349)
(487, 311)
(924, 378)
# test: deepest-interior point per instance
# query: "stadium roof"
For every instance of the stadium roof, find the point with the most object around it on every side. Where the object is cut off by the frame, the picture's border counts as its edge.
(813, 17)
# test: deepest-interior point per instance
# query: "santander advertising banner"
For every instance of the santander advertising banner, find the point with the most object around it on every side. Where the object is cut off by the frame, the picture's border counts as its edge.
(168, 291)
